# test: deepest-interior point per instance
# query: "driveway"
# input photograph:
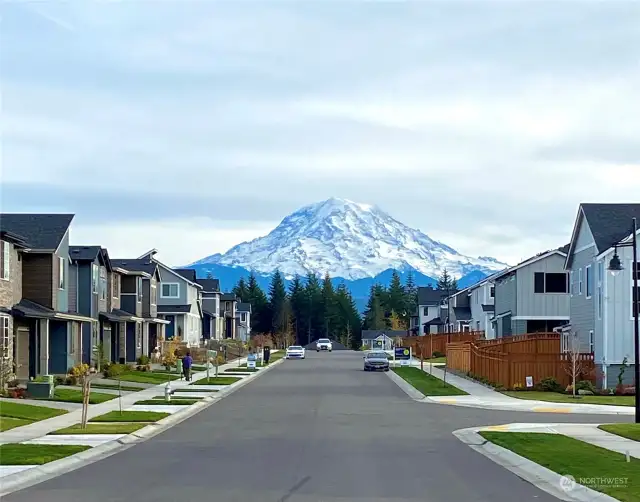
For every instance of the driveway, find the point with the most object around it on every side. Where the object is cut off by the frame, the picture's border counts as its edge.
(309, 430)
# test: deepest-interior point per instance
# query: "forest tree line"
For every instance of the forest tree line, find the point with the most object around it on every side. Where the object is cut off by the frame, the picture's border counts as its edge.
(312, 308)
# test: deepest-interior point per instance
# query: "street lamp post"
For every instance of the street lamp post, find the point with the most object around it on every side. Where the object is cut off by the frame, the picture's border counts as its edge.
(615, 267)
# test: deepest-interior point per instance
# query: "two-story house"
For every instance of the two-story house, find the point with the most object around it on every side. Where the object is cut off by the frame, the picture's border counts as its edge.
(139, 280)
(601, 304)
(211, 319)
(47, 333)
(429, 301)
(243, 323)
(533, 296)
(459, 311)
(179, 302)
(228, 308)
(481, 304)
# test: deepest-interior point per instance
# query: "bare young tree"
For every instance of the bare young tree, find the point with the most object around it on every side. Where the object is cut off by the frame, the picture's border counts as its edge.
(574, 362)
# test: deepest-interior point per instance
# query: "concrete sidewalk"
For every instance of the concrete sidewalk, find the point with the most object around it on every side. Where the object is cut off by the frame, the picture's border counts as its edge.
(43, 427)
(481, 396)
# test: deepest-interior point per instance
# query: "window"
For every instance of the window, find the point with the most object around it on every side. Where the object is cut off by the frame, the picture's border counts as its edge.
(493, 291)
(591, 342)
(115, 286)
(600, 272)
(227, 306)
(425, 311)
(477, 325)
(170, 290)
(61, 273)
(572, 288)
(94, 277)
(103, 283)
(4, 333)
(599, 296)
(139, 289)
(5, 261)
(243, 317)
(588, 282)
(580, 281)
(154, 294)
(550, 282)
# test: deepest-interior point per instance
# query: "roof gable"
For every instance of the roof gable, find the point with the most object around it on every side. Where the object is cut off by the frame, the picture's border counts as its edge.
(42, 232)
(561, 251)
(136, 265)
(187, 273)
(430, 296)
(209, 285)
(610, 223)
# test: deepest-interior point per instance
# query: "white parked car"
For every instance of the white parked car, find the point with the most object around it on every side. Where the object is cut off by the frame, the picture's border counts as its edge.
(295, 352)
(324, 344)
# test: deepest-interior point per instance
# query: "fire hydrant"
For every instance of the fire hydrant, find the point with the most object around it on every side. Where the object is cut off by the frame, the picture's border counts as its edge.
(167, 392)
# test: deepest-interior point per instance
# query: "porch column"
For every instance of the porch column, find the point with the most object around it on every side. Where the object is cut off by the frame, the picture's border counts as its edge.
(145, 339)
(122, 338)
(43, 331)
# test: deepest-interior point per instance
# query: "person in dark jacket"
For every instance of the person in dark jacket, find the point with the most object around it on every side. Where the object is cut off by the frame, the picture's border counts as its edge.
(187, 361)
(267, 354)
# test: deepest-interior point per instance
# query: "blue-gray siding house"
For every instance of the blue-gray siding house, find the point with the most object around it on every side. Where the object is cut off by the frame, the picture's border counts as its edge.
(46, 328)
(533, 296)
(428, 314)
(600, 303)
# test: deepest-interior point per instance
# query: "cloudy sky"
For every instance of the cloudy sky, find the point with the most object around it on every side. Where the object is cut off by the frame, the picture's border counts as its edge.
(192, 126)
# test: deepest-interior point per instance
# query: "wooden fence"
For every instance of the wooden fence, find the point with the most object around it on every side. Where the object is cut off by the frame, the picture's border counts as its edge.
(507, 362)
(425, 346)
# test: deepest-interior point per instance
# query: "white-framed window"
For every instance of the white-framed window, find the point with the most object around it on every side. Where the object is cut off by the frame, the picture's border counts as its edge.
(243, 317)
(599, 286)
(115, 286)
(5, 261)
(425, 311)
(5, 336)
(579, 281)
(103, 283)
(62, 283)
(572, 287)
(154, 294)
(95, 275)
(493, 292)
(170, 290)
(588, 279)
(139, 288)
(591, 341)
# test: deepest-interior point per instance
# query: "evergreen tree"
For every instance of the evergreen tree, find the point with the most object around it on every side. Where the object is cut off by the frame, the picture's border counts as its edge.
(298, 302)
(411, 294)
(447, 282)
(374, 316)
(241, 290)
(396, 299)
(278, 307)
(348, 317)
(260, 312)
(313, 309)
(209, 275)
(329, 313)
(454, 285)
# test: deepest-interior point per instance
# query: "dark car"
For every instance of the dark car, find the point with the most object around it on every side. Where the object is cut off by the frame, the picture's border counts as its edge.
(376, 361)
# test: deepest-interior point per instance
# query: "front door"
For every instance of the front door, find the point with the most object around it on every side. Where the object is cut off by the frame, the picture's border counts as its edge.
(171, 327)
(153, 338)
(22, 354)
(131, 342)
(58, 363)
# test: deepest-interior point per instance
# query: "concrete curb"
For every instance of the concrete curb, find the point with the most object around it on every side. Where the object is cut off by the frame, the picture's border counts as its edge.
(30, 477)
(539, 476)
(409, 389)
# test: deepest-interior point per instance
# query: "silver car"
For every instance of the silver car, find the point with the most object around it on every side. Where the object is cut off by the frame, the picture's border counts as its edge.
(377, 360)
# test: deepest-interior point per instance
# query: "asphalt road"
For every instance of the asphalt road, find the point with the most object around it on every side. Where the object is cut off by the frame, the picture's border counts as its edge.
(309, 430)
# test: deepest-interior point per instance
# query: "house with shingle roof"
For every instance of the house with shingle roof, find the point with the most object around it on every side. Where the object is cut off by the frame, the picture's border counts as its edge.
(40, 327)
(179, 301)
(429, 301)
(212, 322)
(601, 304)
(243, 321)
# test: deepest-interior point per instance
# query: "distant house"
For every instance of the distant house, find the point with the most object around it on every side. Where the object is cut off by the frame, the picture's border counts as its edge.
(139, 297)
(212, 322)
(460, 314)
(481, 305)
(179, 301)
(532, 296)
(228, 309)
(601, 305)
(381, 339)
(429, 301)
(243, 324)
(39, 332)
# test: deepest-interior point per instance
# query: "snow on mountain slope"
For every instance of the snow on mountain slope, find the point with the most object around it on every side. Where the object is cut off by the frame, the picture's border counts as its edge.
(349, 240)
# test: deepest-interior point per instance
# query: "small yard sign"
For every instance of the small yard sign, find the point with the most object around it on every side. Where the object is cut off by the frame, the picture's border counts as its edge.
(529, 381)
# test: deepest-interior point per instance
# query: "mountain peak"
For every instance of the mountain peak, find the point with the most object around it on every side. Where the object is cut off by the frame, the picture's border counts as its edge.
(347, 239)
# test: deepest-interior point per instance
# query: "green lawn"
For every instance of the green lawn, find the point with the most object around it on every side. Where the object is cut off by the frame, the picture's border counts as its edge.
(187, 389)
(222, 380)
(556, 397)
(148, 377)
(629, 431)
(115, 387)
(7, 423)
(106, 428)
(173, 402)
(75, 396)
(427, 384)
(437, 360)
(240, 370)
(130, 416)
(568, 456)
(28, 411)
(36, 454)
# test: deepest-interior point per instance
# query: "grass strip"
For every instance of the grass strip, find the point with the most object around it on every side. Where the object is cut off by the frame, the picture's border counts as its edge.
(427, 384)
(36, 454)
(557, 397)
(629, 431)
(130, 416)
(106, 428)
(217, 381)
(28, 411)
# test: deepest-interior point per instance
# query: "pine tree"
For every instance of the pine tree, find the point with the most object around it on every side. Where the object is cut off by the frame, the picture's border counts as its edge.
(315, 326)
(397, 299)
(209, 275)
(454, 285)
(328, 307)
(411, 294)
(241, 290)
(348, 319)
(260, 315)
(278, 307)
(298, 301)
(446, 282)
(374, 316)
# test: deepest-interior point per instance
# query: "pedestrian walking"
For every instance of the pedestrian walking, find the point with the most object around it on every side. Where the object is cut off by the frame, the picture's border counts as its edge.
(187, 361)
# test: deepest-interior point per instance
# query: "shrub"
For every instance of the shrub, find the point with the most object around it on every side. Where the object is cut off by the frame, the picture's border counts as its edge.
(143, 367)
(143, 360)
(586, 385)
(114, 369)
(550, 384)
(437, 353)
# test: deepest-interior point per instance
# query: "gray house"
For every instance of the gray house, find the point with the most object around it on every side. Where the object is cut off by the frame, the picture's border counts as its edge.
(211, 319)
(179, 301)
(481, 305)
(601, 304)
(381, 338)
(243, 323)
(460, 315)
(228, 310)
(428, 315)
(533, 296)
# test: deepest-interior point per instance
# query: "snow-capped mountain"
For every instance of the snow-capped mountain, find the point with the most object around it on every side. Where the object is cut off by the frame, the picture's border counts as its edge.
(349, 240)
